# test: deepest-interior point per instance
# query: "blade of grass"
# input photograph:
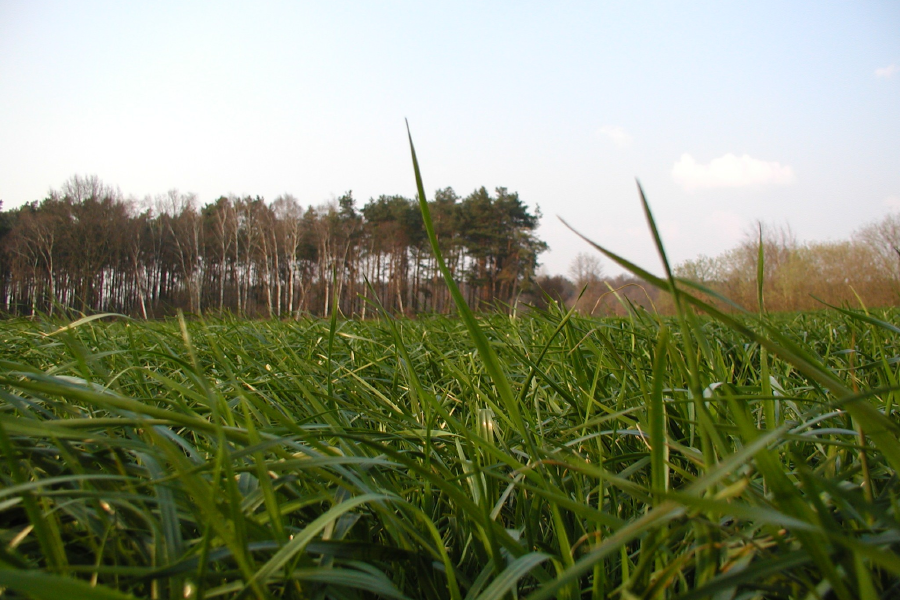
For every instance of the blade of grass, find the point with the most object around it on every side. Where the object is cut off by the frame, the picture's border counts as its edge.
(46, 586)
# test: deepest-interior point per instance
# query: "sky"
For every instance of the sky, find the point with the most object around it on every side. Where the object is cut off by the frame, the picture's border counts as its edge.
(728, 113)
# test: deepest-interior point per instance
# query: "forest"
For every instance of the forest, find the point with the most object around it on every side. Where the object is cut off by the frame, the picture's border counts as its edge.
(85, 248)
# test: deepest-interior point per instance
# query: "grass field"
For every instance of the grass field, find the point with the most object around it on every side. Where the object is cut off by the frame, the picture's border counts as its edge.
(729, 456)
(379, 459)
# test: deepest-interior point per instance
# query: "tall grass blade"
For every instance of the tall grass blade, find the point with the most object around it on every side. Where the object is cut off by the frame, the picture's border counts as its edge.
(485, 351)
(301, 539)
(503, 583)
(47, 586)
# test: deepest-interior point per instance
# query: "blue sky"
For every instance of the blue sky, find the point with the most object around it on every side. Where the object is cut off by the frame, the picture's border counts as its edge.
(727, 112)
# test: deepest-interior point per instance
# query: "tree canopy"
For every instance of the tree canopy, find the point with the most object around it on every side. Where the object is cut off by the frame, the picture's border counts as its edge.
(87, 248)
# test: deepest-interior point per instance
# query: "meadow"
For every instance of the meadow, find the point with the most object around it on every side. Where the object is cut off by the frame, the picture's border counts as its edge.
(728, 456)
(352, 459)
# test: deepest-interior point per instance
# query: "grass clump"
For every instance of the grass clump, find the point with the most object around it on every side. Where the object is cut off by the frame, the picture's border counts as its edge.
(539, 456)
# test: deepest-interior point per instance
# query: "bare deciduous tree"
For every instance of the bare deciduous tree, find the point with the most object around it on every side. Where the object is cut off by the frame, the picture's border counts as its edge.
(585, 269)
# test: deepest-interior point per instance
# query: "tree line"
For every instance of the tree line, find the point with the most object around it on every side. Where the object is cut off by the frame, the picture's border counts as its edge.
(861, 271)
(85, 248)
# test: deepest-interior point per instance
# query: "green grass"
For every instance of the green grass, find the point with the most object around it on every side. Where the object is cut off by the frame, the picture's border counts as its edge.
(210, 457)
(728, 456)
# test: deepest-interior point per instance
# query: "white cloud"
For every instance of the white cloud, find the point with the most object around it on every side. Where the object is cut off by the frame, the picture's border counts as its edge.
(887, 71)
(892, 202)
(729, 171)
(618, 135)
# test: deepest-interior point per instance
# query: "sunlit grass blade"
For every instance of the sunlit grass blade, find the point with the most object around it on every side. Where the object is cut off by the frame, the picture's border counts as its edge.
(503, 583)
(87, 319)
(659, 450)
(302, 538)
(485, 351)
